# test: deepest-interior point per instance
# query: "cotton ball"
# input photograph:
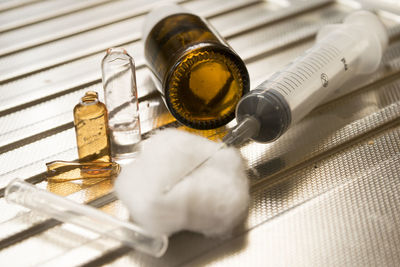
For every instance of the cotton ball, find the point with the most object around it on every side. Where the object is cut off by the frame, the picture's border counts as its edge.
(211, 200)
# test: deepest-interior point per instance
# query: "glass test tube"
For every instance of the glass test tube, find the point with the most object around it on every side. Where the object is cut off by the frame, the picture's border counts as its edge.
(120, 94)
(63, 209)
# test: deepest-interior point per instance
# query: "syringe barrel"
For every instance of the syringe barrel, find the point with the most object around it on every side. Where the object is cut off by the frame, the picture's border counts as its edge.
(65, 210)
(341, 52)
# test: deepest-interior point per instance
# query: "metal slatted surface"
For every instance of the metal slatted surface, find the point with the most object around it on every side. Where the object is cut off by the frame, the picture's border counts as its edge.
(326, 193)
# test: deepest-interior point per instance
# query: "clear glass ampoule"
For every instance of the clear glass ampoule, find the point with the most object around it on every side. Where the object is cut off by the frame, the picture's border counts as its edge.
(120, 94)
(90, 119)
(199, 75)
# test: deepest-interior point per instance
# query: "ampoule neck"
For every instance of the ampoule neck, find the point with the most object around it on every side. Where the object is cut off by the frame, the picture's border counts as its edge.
(90, 98)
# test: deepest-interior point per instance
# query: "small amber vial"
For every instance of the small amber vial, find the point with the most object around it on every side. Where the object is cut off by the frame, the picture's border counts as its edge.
(90, 119)
(199, 75)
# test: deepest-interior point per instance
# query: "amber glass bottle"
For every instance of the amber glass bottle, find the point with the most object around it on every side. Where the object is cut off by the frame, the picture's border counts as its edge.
(90, 119)
(200, 77)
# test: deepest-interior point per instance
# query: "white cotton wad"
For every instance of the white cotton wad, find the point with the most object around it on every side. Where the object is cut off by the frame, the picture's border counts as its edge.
(212, 200)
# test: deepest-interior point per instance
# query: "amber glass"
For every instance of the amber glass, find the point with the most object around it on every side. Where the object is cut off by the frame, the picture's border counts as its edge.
(61, 171)
(90, 118)
(202, 78)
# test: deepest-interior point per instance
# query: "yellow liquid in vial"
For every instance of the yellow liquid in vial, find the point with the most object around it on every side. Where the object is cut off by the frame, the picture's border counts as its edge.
(90, 118)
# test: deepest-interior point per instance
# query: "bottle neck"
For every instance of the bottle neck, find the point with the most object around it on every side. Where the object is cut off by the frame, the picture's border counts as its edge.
(90, 98)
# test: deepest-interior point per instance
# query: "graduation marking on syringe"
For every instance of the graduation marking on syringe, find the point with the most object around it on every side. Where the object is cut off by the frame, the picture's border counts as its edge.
(308, 72)
(302, 71)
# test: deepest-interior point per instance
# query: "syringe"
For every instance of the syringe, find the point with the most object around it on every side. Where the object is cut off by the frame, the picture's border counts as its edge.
(65, 210)
(341, 53)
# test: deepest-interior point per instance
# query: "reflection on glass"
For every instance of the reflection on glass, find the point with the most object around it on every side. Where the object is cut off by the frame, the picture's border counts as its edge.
(61, 171)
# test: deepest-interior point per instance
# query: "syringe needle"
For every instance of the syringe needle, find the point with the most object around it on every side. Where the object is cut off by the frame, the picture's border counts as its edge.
(242, 132)
(196, 167)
